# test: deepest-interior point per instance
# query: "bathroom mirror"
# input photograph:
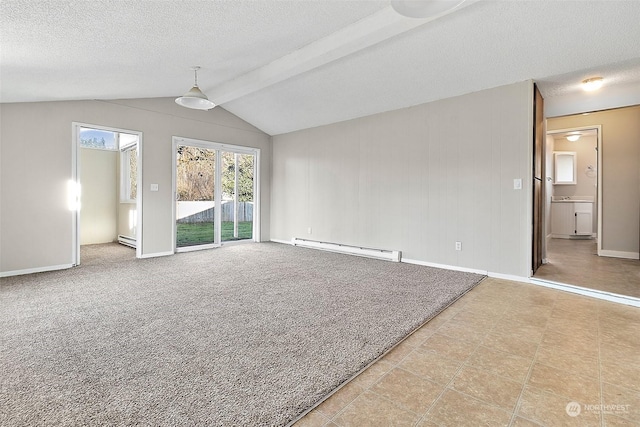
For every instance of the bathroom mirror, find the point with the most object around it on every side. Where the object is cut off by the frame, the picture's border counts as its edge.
(565, 167)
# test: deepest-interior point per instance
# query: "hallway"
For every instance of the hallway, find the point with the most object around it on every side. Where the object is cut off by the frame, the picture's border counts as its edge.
(575, 262)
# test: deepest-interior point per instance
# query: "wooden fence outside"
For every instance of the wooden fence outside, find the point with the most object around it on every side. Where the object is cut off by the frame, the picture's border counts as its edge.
(245, 213)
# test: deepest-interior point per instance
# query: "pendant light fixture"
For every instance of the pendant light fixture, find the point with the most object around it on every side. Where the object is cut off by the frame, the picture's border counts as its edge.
(195, 99)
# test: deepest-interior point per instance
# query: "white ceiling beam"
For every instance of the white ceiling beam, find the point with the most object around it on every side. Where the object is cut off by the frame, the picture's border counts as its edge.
(367, 32)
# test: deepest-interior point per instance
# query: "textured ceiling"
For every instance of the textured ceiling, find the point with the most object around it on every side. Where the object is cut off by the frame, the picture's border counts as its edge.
(143, 49)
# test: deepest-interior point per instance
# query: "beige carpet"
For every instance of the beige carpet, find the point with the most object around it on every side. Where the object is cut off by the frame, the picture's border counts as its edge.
(244, 335)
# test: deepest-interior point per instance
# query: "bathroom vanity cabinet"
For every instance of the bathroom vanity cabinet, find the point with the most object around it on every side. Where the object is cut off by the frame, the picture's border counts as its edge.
(570, 219)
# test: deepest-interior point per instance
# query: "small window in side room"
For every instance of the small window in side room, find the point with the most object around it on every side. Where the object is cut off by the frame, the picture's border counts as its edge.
(128, 168)
(98, 139)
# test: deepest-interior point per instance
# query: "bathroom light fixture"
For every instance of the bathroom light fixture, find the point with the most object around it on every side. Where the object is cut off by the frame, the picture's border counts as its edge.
(593, 83)
(573, 137)
(424, 8)
(195, 99)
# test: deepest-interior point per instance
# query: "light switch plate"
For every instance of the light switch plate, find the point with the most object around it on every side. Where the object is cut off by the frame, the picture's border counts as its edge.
(517, 184)
(154, 187)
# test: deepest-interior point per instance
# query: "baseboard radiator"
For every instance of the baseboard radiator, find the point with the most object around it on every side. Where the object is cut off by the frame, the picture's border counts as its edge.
(127, 241)
(388, 255)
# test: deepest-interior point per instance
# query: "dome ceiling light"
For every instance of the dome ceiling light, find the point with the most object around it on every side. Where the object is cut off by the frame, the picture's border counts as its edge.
(591, 84)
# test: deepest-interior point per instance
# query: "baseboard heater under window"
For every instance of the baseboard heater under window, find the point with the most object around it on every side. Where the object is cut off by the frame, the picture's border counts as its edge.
(348, 249)
(127, 241)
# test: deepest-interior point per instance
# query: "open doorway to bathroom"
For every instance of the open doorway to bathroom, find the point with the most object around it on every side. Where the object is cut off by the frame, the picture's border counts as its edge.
(589, 180)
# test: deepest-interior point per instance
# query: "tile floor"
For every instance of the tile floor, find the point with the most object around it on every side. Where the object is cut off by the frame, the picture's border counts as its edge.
(506, 354)
(576, 262)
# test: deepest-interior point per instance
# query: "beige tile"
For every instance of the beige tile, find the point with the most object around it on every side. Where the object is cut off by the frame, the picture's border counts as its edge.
(522, 422)
(408, 390)
(369, 409)
(447, 346)
(463, 330)
(419, 336)
(456, 409)
(613, 421)
(551, 410)
(431, 366)
(482, 318)
(620, 373)
(510, 344)
(624, 403)
(625, 334)
(500, 363)
(396, 355)
(569, 361)
(372, 374)
(426, 423)
(619, 353)
(578, 344)
(579, 388)
(488, 387)
(526, 317)
(312, 419)
(339, 400)
(571, 327)
(521, 330)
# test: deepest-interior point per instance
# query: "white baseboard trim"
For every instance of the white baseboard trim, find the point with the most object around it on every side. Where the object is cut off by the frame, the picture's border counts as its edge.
(444, 266)
(35, 270)
(511, 277)
(284, 242)
(607, 296)
(620, 254)
(383, 254)
(157, 254)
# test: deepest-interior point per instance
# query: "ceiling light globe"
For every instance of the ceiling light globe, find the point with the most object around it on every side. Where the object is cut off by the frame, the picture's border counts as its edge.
(592, 84)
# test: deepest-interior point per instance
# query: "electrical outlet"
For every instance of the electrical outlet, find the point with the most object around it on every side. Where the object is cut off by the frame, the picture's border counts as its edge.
(309, 230)
(458, 246)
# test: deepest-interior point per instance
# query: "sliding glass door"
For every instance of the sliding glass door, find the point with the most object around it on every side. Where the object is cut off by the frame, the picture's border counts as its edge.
(195, 196)
(237, 196)
(215, 189)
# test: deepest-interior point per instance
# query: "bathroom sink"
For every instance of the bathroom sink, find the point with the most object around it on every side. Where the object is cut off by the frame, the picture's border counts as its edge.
(573, 199)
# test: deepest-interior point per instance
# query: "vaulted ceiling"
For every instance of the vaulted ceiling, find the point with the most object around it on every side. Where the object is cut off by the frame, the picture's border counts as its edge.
(289, 65)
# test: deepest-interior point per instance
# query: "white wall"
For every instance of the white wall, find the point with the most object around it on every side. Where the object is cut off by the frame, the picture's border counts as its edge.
(548, 181)
(98, 176)
(35, 158)
(416, 180)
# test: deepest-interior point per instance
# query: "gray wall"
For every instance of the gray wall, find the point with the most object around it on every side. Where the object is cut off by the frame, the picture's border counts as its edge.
(35, 158)
(416, 180)
(620, 174)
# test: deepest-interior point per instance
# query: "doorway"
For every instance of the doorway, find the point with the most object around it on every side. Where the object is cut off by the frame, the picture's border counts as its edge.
(216, 193)
(106, 175)
(574, 216)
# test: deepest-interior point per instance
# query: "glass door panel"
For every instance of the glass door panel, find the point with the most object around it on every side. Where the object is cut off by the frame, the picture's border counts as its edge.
(195, 196)
(237, 195)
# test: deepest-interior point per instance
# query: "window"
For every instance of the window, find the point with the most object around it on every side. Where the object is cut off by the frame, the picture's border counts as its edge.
(128, 167)
(99, 139)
